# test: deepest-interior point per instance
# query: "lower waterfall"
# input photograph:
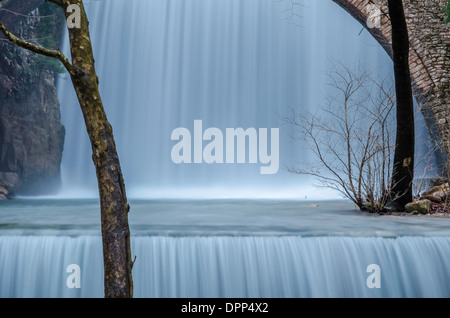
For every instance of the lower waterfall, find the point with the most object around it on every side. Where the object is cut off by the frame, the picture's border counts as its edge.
(227, 266)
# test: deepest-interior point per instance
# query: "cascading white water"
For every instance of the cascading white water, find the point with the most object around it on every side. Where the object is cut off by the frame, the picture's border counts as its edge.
(233, 266)
(231, 63)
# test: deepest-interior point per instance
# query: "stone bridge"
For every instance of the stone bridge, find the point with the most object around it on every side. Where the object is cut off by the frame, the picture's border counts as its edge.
(429, 56)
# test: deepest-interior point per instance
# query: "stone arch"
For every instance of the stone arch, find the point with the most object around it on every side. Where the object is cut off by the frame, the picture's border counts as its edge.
(429, 58)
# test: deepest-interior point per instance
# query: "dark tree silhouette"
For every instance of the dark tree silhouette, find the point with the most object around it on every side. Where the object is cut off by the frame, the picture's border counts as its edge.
(403, 168)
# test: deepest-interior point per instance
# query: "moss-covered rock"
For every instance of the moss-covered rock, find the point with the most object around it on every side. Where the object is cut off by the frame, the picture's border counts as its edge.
(420, 207)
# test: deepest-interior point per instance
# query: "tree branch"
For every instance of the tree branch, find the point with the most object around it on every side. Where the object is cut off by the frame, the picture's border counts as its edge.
(38, 49)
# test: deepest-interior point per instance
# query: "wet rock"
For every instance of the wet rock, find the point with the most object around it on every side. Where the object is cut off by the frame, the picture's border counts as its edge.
(9, 181)
(3, 191)
(31, 133)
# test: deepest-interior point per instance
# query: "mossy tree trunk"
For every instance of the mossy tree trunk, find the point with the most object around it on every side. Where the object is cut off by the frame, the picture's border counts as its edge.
(118, 282)
(113, 200)
(403, 167)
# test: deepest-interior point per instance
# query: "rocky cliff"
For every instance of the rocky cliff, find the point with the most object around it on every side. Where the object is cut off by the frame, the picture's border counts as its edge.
(31, 133)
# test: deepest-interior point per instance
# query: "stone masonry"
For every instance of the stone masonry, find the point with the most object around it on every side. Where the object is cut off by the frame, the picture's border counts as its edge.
(429, 36)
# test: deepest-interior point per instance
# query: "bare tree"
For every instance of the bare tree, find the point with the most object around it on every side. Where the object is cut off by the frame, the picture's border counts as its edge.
(117, 260)
(351, 138)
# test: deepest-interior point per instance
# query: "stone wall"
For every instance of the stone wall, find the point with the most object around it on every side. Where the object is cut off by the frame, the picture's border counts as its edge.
(429, 56)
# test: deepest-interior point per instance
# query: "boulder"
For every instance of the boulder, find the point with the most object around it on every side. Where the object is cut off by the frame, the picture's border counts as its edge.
(3, 197)
(421, 207)
(443, 188)
(433, 198)
(9, 181)
(3, 191)
(442, 195)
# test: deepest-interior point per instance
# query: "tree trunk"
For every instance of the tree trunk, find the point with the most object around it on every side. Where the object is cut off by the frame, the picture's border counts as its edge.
(114, 207)
(118, 281)
(403, 168)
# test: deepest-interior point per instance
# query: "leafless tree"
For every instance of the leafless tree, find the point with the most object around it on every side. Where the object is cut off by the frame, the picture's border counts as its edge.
(352, 138)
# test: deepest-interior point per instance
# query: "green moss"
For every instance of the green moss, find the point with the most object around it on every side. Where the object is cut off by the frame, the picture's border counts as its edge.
(448, 11)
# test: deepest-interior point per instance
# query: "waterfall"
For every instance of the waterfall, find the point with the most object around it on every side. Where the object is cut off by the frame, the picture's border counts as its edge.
(163, 64)
(194, 267)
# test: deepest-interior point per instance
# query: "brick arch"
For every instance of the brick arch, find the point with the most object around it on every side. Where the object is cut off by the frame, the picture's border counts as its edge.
(429, 58)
